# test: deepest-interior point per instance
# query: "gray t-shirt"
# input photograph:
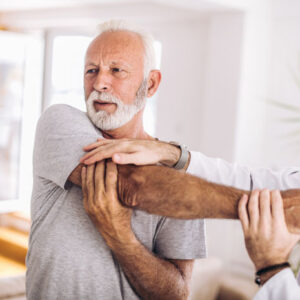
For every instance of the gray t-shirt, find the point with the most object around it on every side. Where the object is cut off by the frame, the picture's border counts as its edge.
(67, 257)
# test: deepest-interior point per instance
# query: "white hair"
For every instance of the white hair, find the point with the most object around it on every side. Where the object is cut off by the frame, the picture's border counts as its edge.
(147, 40)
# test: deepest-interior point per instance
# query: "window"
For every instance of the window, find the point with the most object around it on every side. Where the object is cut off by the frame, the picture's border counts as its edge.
(20, 62)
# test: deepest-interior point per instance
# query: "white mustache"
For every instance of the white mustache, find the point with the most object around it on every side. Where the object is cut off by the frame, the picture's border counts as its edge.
(105, 97)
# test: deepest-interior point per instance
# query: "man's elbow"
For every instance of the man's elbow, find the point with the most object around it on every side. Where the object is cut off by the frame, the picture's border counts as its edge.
(183, 292)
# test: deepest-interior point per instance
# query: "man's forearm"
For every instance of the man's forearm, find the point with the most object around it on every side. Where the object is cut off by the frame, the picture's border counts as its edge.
(165, 191)
(150, 276)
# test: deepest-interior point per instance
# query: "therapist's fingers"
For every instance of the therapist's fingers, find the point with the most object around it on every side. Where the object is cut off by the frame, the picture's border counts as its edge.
(265, 208)
(277, 207)
(253, 209)
(243, 213)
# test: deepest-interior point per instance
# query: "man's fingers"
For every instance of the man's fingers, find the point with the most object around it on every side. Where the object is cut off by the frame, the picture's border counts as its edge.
(243, 213)
(99, 178)
(277, 206)
(125, 159)
(87, 157)
(253, 209)
(90, 183)
(96, 144)
(83, 185)
(90, 146)
(103, 152)
(91, 158)
(111, 177)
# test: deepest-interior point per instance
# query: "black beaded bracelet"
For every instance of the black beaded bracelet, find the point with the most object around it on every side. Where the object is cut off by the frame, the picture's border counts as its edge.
(268, 269)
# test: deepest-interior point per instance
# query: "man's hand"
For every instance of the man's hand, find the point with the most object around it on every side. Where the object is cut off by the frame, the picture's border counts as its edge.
(132, 151)
(99, 183)
(267, 238)
(150, 276)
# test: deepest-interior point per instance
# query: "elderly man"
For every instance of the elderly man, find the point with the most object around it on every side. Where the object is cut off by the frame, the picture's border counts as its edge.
(120, 253)
(117, 253)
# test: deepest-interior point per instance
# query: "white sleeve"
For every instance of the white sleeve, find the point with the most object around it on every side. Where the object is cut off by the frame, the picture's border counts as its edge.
(281, 286)
(220, 171)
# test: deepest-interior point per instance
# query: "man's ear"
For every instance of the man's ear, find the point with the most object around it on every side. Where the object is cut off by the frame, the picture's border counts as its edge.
(154, 79)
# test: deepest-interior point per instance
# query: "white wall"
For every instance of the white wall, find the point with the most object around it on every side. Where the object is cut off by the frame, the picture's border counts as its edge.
(198, 104)
(253, 89)
(180, 101)
(201, 64)
(282, 134)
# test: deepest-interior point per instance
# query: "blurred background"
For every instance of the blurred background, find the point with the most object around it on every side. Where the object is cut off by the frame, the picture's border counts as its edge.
(230, 89)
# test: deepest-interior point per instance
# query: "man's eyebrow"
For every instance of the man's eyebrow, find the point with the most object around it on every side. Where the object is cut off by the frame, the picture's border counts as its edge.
(123, 63)
(90, 64)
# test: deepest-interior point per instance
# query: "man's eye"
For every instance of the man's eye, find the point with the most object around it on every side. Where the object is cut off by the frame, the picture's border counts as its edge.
(116, 70)
(91, 71)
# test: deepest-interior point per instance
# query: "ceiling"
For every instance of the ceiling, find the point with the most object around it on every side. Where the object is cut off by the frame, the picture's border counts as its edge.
(39, 14)
(25, 5)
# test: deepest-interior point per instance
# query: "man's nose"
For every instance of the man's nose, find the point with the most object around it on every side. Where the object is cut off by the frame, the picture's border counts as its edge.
(102, 82)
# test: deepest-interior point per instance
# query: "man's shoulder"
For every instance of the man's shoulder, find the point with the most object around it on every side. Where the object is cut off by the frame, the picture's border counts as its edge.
(59, 111)
(62, 118)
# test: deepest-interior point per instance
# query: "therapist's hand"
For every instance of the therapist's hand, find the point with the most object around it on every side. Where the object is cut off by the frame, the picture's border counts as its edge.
(267, 238)
(131, 151)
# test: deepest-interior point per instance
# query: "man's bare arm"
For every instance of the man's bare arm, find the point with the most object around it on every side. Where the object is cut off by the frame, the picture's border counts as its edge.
(153, 277)
(167, 192)
(150, 276)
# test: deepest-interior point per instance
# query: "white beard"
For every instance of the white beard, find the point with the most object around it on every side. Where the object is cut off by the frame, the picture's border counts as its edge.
(124, 112)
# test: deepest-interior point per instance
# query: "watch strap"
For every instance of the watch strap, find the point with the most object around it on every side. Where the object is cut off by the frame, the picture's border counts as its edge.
(184, 156)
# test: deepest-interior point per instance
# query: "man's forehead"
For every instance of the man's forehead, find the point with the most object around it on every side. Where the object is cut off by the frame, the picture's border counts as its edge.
(118, 44)
(90, 62)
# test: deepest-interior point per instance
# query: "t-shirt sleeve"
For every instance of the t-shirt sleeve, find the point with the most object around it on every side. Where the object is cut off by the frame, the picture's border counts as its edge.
(180, 239)
(62, 132)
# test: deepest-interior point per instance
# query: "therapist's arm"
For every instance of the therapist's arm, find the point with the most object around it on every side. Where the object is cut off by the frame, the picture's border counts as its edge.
(267, 238)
